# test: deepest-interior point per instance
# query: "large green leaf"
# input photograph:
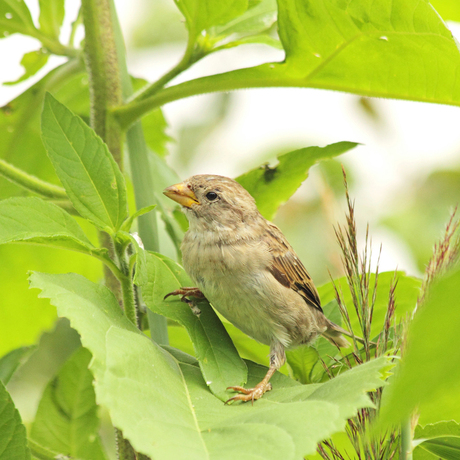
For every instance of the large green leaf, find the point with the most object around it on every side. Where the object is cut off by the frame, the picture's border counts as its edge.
(439, 440)
(66, 420)
(385, 48)
(220, 363)
(15, 17)
(32, 220)
(143, 388)
(273, 186)
(448, 9)
(86, 168)
(51, 17)
(429, 378)
(144, 392)
(13, 441)
(394, 48)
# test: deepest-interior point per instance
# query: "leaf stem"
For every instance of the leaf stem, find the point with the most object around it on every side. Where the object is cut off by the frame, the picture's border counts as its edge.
(193, 53)
(256, 77)
(31, 183)
(52, 45)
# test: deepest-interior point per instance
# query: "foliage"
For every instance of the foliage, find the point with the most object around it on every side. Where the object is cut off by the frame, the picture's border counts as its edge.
(157, 394)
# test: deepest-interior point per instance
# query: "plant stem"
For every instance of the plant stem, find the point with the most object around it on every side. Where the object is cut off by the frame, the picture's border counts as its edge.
(105, 93)
(102, 64)
(191, 55)
(406, 440)
(126, 282)
(31, 183)
(142, 177)
(256, 77)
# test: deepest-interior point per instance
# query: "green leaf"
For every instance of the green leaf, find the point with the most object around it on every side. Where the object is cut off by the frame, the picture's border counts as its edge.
(273, 186)
(13, 441)
(32, 63)
(32, 220)
(15, 17)
(201, 15)
(288, 421)
(51, 17)
(449, 10)
(53, 350)
(396, 49)
(301, 361)
(428, 377)
(139, 383)
(86, 168)
(66, 421)
(11, 361)
(439, 440)
(219, 361)
(381, 48)
(143, 388)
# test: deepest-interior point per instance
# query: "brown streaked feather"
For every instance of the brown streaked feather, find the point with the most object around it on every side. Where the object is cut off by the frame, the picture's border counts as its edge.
(288, 269)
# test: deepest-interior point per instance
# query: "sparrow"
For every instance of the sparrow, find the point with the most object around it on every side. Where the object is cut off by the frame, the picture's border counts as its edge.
(244, 266)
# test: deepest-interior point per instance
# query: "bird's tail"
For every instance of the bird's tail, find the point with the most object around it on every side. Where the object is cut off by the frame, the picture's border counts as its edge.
(334, 332)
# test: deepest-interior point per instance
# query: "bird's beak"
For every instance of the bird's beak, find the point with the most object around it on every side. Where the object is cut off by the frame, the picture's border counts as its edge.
(182, 194)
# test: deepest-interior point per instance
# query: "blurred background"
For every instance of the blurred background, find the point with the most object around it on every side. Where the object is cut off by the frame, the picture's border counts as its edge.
(404, 177)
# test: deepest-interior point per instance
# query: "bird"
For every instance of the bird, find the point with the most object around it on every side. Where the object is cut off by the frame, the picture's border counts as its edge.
(245, 267)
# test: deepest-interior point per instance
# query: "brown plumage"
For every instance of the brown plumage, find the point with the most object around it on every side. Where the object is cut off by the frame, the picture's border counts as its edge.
(245, 267)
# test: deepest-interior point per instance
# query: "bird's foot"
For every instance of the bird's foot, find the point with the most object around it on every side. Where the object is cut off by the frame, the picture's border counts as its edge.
(185, 292)
(250, 394)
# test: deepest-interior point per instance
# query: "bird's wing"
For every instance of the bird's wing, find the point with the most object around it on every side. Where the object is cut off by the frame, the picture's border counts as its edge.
(287, 268)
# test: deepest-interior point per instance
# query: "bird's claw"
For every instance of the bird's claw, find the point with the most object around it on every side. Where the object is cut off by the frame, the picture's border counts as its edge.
(185, 292)
(249, 394)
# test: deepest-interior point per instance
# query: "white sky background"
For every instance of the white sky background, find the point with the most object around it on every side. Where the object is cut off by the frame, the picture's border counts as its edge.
(416, 139)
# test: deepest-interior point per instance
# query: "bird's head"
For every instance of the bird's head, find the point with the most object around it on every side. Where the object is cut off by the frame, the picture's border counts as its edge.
(213, 201)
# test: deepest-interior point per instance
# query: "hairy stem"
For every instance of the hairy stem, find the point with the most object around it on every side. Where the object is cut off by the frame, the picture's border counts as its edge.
(31, 183)
(104, 76)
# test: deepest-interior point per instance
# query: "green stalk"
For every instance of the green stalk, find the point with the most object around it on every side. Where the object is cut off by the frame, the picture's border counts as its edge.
(263, 76)
(193, 53)
(31, 183)
(406, 440)
(126, 282)
(142, 177)
(103, 69)
(105, 91)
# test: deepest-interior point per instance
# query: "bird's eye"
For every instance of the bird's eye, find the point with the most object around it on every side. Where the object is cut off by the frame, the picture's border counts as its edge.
(211, 196)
